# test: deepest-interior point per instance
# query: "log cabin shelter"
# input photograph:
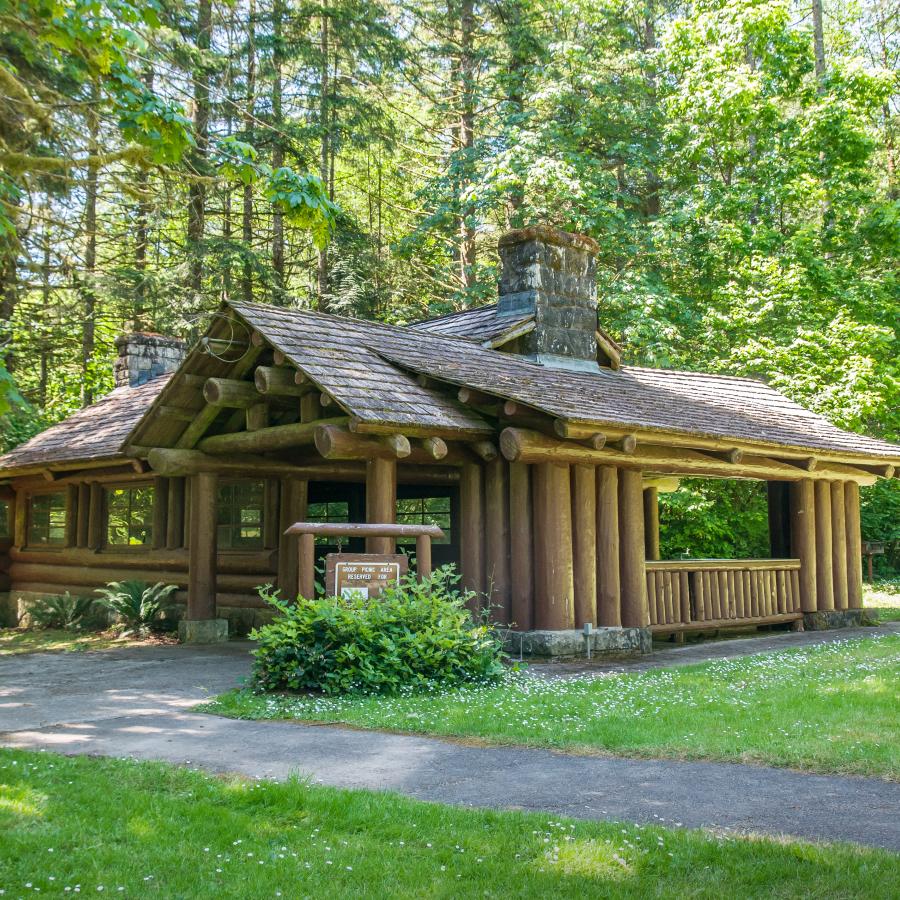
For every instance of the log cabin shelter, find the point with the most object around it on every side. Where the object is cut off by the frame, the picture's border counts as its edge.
(516, 427)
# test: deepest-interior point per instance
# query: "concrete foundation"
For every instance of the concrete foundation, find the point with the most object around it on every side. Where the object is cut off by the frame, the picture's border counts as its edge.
(838, 618)
(605, 643)
(9, 611)
(203, 631)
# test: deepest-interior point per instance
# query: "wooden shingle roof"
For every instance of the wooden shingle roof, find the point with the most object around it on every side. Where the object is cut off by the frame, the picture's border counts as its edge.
(97, 432)
(338, 355)
(481, 324)
(690, 403)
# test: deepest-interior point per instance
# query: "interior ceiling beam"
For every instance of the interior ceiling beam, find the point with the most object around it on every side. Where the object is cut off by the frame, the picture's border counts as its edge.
(231, 393)
(521, 445)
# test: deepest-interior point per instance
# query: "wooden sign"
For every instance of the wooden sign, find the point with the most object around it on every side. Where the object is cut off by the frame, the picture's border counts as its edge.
(364, 573)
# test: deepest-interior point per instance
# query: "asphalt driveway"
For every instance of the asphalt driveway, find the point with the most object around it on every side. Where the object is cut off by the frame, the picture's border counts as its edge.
(136, 702)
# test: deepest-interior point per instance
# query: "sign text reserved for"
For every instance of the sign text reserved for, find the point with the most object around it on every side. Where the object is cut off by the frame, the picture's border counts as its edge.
(366, 573)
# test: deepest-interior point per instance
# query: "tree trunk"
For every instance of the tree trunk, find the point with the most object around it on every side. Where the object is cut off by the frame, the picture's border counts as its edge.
(324, 153)
(277, 150)
(819, 43)
(90, 252)
(139, 311)
(247, 224)
(467, 66)
(197, 191)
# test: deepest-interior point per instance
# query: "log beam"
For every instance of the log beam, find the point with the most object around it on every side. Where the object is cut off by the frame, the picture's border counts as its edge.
(230, 393)
(335, 442)
(486, 450)
(273, 381)
(276, 437)
(523, 445)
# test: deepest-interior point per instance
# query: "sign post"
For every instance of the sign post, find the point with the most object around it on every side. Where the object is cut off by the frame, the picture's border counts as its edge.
(368, 572)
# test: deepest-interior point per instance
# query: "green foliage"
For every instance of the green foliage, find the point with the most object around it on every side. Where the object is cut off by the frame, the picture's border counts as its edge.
(9, 395)
(137, 606)
(416, 635)
(880, 514)
(714, 519)
(62, 611)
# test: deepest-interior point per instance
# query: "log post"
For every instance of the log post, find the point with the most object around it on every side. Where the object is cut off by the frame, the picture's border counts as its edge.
(381, 501)
(201, 604)
(160, 511)
(95, 516)
(306, 583)
(803, 540)
(177, 501)
(554, 576)
(71, 515)
(854, 545)
(824, 551)
(20, 520)
(609, 600)
(651, 523)
(584, 535)
(84, 510)
(521, 561)
(423, 556)
(292, 509)
(779, 508)
(839, 545)
(496, 526)
(471, 514)
(635, 610)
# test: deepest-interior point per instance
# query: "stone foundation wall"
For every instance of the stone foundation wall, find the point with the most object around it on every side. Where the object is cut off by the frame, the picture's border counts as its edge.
(825, 620)
(572, 644)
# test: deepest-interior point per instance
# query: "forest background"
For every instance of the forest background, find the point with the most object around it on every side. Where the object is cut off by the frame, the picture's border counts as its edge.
(736, 160)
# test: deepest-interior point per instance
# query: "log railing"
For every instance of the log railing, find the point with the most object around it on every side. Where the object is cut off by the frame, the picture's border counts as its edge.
(715, 593)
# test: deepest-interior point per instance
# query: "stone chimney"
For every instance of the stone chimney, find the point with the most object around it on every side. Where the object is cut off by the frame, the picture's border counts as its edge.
(550, 274)
(143, 356)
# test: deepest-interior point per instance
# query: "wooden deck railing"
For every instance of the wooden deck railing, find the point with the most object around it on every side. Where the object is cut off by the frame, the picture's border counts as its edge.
(714, 593)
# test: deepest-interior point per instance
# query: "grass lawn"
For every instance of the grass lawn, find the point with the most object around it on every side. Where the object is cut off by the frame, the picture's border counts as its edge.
(885, 597)
(22, 640)
(87, 826)
(825, 708)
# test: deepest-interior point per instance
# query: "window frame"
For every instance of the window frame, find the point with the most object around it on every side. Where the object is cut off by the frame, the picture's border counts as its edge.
(6, 520)
(235, 524)
(129, 486)
(29, 520)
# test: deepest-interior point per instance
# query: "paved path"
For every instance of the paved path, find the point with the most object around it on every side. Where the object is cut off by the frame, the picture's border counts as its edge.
(136, 703)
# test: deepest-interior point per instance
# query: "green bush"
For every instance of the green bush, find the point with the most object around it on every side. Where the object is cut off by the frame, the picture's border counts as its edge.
(137, 606)
(414, 636)
(62, 611)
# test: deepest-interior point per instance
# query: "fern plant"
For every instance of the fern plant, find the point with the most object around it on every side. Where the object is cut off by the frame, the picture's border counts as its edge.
(137, 605)
(61, 611)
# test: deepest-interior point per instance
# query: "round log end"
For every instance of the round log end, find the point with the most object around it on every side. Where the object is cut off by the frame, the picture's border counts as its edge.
(398, 444)
(260, 380)
(598, 441)
(510, 408)
(211, 392)
(436, 447)
(324, 437)
(510, 445)
(628, 443)
(559, 427)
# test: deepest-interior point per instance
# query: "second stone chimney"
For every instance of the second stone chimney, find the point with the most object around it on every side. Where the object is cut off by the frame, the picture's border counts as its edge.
(143, 356)
(550, 274)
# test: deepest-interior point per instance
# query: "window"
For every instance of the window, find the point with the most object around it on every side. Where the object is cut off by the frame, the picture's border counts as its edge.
(425, 511)
(129, 516)
(240, 511)
(329, 511)
(4, 519)
(47, 520)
